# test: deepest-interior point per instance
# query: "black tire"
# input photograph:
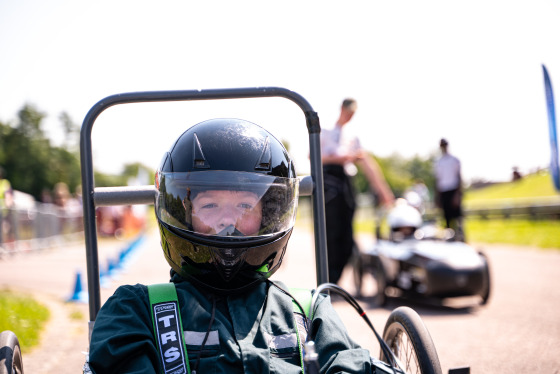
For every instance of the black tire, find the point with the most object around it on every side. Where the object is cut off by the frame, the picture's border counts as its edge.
(357, 270)
(11, 361)
(409, 340)
(378, 270)
(487, 284)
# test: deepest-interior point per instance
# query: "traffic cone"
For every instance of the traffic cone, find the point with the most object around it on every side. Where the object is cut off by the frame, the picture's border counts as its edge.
(79, 295)
(104, 278)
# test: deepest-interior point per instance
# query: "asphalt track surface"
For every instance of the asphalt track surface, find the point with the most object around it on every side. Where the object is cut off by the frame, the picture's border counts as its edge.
(517, 331)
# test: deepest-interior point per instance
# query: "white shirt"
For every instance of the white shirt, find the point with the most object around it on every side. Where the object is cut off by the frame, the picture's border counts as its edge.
(447, 170)
(334, 142)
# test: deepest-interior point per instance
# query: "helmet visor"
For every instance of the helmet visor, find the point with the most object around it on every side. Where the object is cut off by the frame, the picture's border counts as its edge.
(227, 203)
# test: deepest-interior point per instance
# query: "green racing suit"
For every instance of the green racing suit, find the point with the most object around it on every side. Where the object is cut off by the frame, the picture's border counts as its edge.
(252, 332)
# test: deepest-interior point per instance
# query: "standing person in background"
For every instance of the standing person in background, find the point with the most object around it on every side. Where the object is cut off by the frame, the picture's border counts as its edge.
(6, 201)
(339, 155)
(447, 170)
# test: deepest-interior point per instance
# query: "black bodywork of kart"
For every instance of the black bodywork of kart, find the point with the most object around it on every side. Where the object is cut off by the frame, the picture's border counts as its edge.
(422, 267)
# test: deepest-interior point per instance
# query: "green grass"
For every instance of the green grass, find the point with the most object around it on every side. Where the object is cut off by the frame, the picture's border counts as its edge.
(24, 316)
(523, 232)
(534, 187)
(76, 315)
(533, 233)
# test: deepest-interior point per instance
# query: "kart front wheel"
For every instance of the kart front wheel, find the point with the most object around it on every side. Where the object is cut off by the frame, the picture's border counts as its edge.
(378, 271)
(485, 294)
(10, 354)
(409, 340)
(369, 275)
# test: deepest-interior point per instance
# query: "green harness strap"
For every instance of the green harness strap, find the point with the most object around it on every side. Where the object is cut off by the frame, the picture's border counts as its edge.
(303, 296)
(168, 327)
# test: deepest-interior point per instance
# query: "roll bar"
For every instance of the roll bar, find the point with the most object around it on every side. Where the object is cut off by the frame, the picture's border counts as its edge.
(93, 197)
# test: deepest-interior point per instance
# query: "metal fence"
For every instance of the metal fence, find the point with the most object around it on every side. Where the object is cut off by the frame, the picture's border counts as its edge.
(533, 208)
(39, 226)
(538, 208)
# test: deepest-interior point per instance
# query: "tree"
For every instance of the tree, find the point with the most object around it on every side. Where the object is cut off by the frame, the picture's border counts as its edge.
(140, 171)
(25, 152)
(130, 171)
(71, 131)
(30, 119)
(32, 164)
(400, 173)
(422, 170)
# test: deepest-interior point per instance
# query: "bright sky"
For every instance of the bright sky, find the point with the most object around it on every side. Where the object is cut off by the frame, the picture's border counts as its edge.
(420, 70)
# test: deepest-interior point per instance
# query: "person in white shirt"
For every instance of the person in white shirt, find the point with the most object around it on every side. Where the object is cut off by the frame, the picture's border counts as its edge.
(339, 155)
(447, 170)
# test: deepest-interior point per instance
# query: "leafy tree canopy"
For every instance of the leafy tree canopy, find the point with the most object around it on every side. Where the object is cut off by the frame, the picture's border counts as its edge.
(400, 173)
(33, 165)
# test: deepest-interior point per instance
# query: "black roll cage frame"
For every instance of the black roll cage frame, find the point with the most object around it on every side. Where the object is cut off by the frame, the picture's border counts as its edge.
(126, 195)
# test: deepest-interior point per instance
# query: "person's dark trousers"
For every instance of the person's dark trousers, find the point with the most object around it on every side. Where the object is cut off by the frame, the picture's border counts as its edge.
(451, 206)
(339, 212)
(453, 212)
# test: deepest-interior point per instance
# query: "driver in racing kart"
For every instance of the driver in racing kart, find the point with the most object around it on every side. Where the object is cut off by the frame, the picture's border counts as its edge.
(226, 203)
(403, 220)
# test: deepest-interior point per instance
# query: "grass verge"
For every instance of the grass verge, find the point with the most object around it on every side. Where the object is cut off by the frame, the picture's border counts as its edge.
(542, 234)
(24, 316)
(523, 232)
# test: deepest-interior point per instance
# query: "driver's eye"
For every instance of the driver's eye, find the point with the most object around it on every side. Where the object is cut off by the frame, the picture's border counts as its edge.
(209, 206)
(246, 206)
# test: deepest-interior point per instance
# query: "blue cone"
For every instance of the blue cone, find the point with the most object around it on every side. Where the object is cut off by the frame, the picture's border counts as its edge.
(79, 295)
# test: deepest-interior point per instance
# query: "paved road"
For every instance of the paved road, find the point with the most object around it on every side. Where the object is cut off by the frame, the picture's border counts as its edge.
(518, 331)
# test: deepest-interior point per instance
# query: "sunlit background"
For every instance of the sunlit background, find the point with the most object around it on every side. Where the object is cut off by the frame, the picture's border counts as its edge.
(469, 71)
(420, 70)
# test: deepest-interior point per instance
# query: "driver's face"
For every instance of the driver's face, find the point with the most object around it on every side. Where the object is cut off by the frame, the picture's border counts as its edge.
(213, 211)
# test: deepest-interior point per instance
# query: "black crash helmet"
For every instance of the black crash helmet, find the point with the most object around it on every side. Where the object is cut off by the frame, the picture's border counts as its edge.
(226, 203)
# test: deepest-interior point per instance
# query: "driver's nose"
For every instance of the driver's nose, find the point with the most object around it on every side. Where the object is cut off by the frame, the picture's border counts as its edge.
(227, 217)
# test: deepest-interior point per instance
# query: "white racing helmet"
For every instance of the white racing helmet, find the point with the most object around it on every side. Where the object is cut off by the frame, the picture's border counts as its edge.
(404, 218)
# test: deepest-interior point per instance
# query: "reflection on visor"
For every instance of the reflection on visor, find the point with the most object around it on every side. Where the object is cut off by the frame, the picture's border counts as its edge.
(230, 231)
(227, 203)
(224, 212)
